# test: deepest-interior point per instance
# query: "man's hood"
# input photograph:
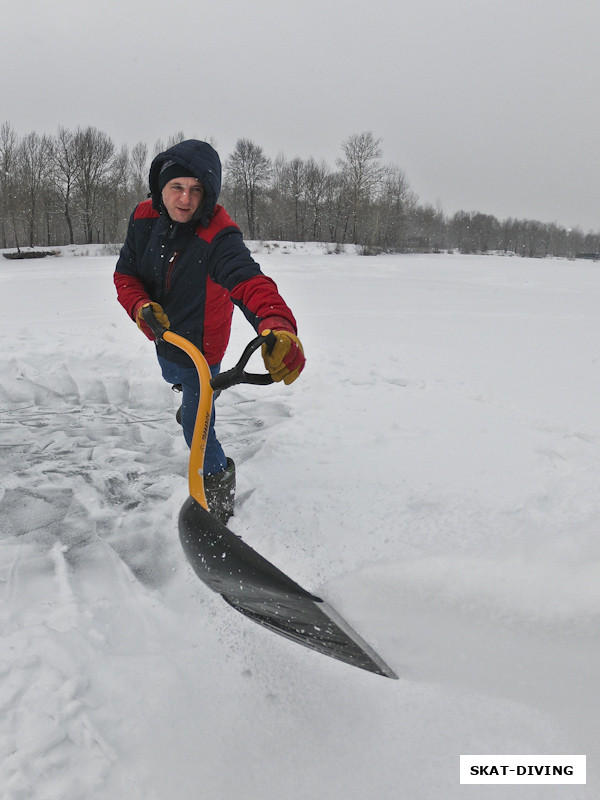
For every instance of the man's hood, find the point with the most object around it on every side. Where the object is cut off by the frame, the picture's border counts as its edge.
(203, 162)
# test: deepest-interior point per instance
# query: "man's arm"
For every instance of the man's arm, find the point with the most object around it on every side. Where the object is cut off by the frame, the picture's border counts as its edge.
(258, 297)
(131, 291)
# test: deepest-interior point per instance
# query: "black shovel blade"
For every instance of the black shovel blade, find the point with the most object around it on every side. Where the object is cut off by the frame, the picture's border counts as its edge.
(260, 591)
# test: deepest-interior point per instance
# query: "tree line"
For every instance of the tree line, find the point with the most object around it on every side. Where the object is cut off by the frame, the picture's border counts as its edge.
(76, 187)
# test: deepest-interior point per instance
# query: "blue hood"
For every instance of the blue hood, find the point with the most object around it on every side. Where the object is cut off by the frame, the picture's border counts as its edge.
(203, 162)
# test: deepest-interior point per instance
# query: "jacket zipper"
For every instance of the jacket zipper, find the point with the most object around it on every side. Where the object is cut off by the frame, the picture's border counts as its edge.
(170, 269)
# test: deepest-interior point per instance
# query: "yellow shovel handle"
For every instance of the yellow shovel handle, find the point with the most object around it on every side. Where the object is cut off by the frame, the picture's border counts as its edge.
(200, 437)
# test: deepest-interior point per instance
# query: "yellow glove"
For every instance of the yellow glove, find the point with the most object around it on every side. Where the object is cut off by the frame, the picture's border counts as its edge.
(286, 359)
(160, 315)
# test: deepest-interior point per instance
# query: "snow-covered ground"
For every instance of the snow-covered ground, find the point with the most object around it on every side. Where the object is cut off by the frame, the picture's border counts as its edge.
(433, 474)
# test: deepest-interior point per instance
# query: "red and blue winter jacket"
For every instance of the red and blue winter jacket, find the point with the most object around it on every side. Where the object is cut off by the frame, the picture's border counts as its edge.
(197, 272)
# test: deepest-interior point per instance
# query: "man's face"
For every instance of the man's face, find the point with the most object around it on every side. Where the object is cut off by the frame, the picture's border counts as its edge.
(182, 198)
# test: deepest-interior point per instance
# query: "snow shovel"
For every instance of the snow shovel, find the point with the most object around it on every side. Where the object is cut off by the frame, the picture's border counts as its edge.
(230, 567)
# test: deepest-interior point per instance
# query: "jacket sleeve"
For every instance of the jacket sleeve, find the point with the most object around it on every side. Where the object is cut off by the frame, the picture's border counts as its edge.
(131, 292)
(233, 267)
(263, 306)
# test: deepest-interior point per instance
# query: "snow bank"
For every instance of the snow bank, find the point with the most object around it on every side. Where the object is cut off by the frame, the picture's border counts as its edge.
(433, 474)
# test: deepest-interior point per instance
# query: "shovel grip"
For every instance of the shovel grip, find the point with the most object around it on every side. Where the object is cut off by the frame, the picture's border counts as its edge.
(237, 374)
(151, 321)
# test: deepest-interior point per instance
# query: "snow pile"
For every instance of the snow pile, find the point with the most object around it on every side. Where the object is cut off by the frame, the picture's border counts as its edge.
(433, 475)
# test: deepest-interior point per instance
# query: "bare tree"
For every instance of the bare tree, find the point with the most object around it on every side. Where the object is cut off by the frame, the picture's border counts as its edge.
(295, 182)
(64, 171)
(288, 198)
(316, 178)
(115, 199)
(460, 227)
(509, 235)
(94, 153)
(34, 161)
(533, 237)
(9, 144)
(337, 216)
(139, 170)
(395, 203)
(428, 228)
(160, 145)
(362, 173)
(250, 170)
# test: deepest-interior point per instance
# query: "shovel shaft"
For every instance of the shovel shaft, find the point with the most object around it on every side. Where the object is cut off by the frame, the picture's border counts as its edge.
(200, 437)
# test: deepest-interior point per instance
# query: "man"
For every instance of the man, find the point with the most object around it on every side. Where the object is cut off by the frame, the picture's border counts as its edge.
(186, 257)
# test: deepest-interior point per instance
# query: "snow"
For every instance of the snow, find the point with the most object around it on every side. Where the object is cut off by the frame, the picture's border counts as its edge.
(433, 475)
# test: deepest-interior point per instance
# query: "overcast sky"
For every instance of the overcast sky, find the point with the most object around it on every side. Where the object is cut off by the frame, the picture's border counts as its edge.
(487, 105)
